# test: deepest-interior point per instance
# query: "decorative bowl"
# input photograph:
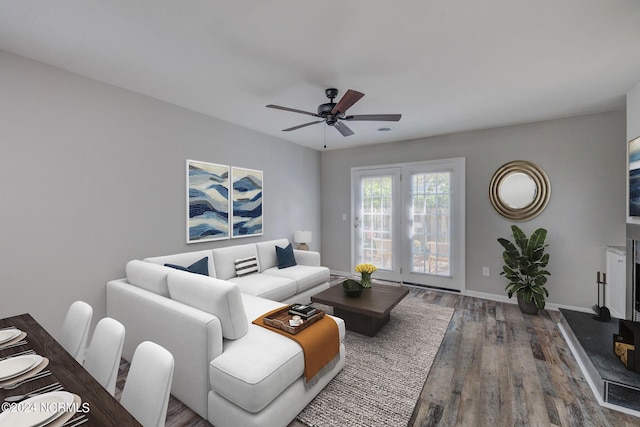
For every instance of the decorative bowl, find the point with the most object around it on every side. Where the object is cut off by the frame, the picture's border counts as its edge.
(352, 288)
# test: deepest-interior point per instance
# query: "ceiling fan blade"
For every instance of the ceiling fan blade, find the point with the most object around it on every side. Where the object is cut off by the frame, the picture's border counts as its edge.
(349, 98)
(301, 126)
(375, 117)
(293, 110)
(343, 129)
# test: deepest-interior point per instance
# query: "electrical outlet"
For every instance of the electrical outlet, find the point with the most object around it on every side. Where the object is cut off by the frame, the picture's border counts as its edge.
(485, 271)
(344, 217)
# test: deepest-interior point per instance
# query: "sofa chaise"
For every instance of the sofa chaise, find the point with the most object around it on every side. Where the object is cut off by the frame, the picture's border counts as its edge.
(228, 370)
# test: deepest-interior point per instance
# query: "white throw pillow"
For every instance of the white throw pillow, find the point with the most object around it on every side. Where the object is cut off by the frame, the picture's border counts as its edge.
(218, 297)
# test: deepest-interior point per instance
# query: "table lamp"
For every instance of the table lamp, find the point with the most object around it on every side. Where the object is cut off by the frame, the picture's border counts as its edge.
(302, 237)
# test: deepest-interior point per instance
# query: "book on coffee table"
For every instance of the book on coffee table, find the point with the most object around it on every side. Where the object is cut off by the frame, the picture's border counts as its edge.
(303, 311)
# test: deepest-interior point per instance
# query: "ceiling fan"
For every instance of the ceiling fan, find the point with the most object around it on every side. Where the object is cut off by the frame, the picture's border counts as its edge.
(335, 114)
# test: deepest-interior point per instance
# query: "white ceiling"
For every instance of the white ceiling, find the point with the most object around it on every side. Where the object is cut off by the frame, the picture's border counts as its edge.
(447, 66)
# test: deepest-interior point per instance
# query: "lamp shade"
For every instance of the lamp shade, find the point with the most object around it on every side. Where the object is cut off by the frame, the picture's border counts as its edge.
(302, 236)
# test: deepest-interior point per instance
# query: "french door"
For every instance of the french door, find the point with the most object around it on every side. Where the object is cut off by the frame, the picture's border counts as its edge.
(377, 219)
(408, 221)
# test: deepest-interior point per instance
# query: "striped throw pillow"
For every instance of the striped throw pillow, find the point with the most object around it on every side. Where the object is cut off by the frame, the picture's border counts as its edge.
(246, 266)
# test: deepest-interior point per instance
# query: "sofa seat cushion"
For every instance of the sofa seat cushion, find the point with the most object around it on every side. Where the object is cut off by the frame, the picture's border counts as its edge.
(267, 286)
(255, 307)
(255, 369)
(305, 276)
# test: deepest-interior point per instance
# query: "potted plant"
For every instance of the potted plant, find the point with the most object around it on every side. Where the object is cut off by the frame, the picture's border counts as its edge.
(524, 268)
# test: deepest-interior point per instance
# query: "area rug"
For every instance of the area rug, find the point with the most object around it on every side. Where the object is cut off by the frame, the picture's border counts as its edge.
(383, 375)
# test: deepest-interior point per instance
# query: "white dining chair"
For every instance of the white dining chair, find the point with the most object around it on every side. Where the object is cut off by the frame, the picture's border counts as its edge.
(102, 359)
(148, 384)
(75, 329)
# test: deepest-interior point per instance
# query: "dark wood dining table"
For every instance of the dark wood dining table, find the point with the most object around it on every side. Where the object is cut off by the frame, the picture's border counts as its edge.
(102, 409)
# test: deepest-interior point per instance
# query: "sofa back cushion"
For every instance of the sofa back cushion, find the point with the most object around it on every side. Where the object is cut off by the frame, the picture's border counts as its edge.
(148, 276)
(267, 257)
(185, 259)
(225, 259)
(220, 298)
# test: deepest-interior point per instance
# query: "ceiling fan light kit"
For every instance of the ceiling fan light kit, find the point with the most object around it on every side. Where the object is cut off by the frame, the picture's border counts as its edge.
(334, 114)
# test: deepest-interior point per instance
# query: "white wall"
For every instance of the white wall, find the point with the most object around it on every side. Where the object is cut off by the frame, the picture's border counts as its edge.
(92, 176)
(584, 158)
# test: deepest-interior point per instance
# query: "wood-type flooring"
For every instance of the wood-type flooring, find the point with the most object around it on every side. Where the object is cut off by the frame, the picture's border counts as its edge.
(495, 367)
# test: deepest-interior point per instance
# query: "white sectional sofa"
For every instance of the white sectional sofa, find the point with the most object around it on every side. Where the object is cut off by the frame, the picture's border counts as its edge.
(228, 370)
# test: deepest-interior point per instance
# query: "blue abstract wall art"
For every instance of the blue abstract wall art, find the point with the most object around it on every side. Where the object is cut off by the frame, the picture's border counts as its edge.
(207, 201)
(247, 202)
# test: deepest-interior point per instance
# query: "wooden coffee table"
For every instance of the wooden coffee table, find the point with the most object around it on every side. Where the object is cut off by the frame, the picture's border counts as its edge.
(364, 314)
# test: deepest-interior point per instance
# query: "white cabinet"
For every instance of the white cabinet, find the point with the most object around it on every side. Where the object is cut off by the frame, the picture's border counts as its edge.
(616, 281)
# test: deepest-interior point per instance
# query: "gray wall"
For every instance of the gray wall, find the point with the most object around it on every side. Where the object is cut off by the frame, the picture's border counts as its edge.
(584, 158)
(633, 113)
(92, 176)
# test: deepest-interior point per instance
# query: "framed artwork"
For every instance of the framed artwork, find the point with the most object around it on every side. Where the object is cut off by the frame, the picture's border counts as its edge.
(207, 201)
(634, 177)
(247, 202)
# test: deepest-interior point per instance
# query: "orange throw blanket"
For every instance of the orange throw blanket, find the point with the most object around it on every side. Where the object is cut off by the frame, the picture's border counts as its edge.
(320, 342)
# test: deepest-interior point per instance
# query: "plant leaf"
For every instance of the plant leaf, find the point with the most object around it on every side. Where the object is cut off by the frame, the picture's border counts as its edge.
(537, 238)
(537, 289)
(519, 237)
(544, 260)
(539, 300)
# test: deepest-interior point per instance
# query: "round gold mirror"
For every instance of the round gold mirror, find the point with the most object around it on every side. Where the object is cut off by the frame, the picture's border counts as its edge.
(519, 190)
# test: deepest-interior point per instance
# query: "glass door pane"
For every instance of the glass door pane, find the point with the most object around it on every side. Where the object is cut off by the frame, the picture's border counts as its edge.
(430, 225)
(376, 233)
(433, 249)
(377, 220)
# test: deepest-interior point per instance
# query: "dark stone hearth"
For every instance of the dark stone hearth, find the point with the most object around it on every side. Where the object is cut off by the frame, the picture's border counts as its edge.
(621, 386)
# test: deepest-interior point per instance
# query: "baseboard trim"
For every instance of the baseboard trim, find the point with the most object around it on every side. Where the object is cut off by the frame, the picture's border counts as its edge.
(506, 299)
(491, 297)
(340, 273)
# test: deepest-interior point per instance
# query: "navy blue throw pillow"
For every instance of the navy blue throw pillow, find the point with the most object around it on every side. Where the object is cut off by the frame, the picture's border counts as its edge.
(198, 267)
(285, 256)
